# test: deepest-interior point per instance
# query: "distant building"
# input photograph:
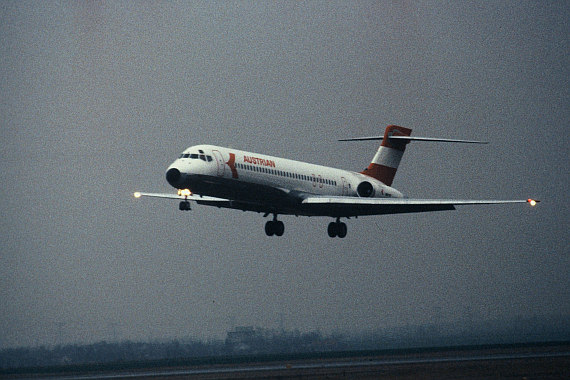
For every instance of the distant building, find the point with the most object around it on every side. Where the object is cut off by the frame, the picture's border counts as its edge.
(244, 339)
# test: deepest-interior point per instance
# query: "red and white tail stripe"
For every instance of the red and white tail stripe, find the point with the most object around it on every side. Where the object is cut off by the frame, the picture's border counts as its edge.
(385, 163)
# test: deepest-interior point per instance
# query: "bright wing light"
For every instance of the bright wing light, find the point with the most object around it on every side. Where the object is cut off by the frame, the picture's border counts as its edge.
(184, 192)
(137, 194)
(532, 202)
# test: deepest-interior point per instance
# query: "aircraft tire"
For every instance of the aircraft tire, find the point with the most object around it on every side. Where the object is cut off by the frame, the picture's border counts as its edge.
(341, 230)
(269, 228)
(332, 229)
(278, 227)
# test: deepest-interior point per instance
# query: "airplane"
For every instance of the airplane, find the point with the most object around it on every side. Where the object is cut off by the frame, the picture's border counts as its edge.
(229, 178)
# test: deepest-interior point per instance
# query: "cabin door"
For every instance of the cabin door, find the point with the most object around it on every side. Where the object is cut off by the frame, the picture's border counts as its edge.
(344, 186)
(220, 162)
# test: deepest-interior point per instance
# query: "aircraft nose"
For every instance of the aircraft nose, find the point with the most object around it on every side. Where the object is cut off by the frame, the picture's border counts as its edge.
(173, 177)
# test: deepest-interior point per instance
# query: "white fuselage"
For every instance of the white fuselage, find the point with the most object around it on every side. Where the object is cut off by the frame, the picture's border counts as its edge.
(244, 176)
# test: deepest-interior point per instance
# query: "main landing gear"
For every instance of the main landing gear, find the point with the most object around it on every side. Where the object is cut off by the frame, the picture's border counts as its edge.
(274, 227)
(337, 228)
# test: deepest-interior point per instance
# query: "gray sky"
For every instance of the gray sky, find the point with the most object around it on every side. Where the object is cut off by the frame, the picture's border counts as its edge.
(97, 98)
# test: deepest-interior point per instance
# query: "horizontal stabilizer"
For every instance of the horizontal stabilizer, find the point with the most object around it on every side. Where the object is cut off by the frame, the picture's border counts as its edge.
(410, 138)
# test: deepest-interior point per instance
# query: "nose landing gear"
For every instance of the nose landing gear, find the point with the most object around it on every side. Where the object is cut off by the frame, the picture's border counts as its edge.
(337, 228)
(184, 206)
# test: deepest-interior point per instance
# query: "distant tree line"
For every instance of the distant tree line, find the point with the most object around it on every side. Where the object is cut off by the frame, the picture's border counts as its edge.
(243, 341)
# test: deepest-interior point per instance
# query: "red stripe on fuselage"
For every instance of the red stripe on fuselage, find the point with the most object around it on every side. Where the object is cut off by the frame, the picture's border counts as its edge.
(382, 173)
(232, 164)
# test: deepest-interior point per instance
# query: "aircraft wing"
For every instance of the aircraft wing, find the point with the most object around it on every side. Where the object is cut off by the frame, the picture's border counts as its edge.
(353, 206)
(334, 206)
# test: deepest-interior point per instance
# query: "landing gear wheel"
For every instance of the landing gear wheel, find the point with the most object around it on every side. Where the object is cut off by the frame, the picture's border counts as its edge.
(269, 230)
(184, 206)
(278, 227)
(341, 230)
(332, 231)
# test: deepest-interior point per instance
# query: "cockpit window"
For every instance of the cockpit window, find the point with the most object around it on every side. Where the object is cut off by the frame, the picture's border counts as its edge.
(196, 156)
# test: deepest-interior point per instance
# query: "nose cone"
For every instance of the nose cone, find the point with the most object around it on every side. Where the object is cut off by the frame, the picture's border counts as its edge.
(173, 177)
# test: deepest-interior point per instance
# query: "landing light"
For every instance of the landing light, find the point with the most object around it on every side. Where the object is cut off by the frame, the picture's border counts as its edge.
(137, 194)
(184, 192)
(532, 202)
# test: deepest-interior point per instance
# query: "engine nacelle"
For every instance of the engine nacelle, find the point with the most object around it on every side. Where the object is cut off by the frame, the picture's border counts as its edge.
(365, 190)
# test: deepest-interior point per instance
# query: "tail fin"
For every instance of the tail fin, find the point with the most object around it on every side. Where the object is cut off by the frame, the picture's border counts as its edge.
(385, 163)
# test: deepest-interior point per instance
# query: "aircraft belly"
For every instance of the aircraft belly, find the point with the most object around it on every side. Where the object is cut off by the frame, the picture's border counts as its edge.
(249, 196)
(245, 196)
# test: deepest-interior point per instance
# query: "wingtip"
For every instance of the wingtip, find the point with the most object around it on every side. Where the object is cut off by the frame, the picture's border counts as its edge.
(532, 202)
